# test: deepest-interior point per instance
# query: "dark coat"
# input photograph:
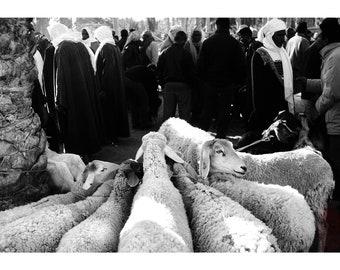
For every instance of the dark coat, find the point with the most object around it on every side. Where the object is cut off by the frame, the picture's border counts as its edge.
(77, 100)
(221, 61)
(175, 64)
(110, 75)
(267, 93)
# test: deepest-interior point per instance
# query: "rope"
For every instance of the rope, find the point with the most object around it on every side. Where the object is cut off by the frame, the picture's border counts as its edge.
(265, 139)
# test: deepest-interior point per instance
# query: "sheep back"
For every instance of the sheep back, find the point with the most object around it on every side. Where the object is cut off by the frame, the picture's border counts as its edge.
(42, 231)
(100, 231)
(158, 222)
(76, 194)
(282, 209)
(220, 224)
(301, 169)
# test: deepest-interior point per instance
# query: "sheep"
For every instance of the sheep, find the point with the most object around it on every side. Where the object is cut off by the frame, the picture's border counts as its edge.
(283, 209)
(42, 231)
(302, 169)
(193, 142)
(314, 174)
(218, 223)
(100, 232)
(77, 192)
(63, 169)
(158, 222)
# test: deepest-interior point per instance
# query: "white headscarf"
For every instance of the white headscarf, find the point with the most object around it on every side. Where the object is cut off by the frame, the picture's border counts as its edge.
(104, 35)
(59, 32)
(277, 53)
(173, 31)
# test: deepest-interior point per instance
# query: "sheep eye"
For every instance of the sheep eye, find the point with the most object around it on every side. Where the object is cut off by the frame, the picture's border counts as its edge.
(219, 151)
(104, 169)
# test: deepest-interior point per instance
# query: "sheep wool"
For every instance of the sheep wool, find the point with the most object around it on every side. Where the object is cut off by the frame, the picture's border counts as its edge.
(76, 194)
(158, 222)
(302, 169)
(218, 223)
(283, 209)
(186, 139)
(100, 232)
(42, 231)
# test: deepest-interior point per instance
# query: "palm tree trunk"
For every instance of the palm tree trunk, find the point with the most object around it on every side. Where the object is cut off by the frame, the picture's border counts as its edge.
(22, 141)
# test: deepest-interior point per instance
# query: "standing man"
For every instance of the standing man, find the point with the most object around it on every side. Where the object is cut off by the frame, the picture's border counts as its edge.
(296, 46)
(328, 86)
(175, 67)
(222, 66)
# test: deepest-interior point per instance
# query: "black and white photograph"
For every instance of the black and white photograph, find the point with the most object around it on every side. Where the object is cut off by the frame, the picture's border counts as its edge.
(166, 128)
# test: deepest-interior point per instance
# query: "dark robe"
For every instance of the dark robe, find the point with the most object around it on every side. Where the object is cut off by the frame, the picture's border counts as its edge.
(52, 131)
(77, 100)
(110, 75)
(267, 92)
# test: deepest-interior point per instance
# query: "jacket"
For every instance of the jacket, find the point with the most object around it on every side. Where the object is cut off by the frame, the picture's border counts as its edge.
(221, 61)
(175, 64)
(329, 86)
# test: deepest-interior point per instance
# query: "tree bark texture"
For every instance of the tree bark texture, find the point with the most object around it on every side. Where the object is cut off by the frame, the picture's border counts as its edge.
(22, 141)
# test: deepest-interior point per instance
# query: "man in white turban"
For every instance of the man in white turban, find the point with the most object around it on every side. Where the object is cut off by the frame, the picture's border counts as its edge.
(71, 85)
(110, 75)
(272, 77)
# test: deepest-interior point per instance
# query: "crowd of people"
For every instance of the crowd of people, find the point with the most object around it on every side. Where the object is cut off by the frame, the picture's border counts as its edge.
(89, 86)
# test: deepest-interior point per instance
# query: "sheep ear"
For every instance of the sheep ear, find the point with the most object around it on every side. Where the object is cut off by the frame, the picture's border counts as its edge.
(172, 154)
(204, 166)
(132, 179)
(191, 171)
(139, 153)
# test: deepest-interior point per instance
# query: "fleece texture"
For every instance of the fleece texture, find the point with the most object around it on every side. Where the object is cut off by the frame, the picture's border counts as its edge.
(283, 209)
(158, 222)
(76, 194)
(218, 223)
(42, 231)
(302, 169)
(186, 139)
(100, 231)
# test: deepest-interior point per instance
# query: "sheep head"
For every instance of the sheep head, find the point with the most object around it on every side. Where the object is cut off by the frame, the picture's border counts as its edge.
(161, 141)
(98, 172)
(218, 155)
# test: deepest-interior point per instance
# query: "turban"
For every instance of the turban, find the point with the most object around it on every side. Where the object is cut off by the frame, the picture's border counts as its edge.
(279, 53)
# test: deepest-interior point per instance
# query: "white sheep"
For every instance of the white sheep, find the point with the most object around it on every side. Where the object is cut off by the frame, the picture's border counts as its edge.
(193, 143)
(64, 170)
(96, 170)
(42, 231)
(302, 169)
(219, 224)
(158, 222)
(100, 231)
(283, 209)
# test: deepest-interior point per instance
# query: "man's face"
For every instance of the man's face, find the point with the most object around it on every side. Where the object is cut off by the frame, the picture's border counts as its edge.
(196, 36)
(279, 38)
(244, 38)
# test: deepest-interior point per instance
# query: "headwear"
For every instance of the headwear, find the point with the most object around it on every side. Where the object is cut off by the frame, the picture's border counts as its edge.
(133, 36)
(58, 33)
(302, 27)
(104, 35)
(173, 31)
(277, 53)
(243, 29)
(192, 44)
